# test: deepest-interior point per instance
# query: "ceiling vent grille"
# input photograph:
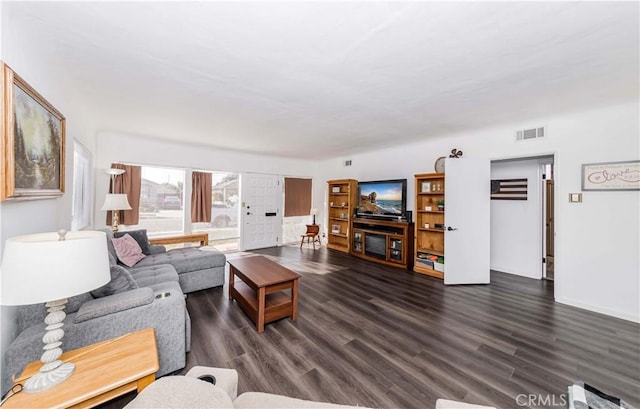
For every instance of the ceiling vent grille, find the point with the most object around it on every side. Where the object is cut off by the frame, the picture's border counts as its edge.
(532, 133)
(347, 162)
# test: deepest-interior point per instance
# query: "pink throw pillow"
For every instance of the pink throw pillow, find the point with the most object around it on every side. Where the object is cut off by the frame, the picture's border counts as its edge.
(128, 250)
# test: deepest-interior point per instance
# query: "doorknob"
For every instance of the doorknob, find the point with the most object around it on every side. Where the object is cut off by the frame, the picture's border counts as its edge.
(248, 212)
(451, 228)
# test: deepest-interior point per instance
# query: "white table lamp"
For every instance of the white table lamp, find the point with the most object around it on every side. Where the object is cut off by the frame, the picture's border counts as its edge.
(49, 267)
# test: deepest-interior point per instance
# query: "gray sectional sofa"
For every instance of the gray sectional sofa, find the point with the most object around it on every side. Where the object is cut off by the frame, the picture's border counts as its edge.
(162, 278)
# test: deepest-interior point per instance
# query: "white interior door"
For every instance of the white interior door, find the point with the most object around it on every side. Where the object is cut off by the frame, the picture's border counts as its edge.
(467, 217)
(261, 211)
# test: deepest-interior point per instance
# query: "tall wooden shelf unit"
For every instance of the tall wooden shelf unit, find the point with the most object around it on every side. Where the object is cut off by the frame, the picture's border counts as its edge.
(343, 199)
(429, 240)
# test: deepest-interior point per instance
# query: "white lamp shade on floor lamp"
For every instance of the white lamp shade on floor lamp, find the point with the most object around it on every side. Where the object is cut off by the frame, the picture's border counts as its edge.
(116, 201)
(50, 267)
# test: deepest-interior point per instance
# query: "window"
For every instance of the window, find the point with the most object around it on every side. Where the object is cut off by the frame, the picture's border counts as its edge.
(297, 197)
(162, 201)
(224, 229)
(82, 202)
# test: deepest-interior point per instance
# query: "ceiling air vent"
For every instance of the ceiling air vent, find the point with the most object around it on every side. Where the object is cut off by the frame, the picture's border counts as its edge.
(347, 162)
(532, 133)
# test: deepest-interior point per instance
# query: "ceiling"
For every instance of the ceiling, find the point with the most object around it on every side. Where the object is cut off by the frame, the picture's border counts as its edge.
(327, 79)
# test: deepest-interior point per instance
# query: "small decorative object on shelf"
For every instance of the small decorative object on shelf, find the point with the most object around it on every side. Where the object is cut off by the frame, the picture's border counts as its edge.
(439, 164)
(426, 187)
(440, 204)
(455, 153)
(335, 228)
(335, 189)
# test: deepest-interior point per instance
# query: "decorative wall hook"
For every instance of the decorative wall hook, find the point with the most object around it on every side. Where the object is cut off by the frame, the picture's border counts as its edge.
(455, 153)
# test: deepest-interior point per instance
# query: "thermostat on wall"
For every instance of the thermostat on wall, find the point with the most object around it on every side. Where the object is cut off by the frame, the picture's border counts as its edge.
(575, 197)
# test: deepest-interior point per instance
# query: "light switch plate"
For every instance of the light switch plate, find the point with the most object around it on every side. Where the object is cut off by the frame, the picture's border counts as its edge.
(575, 197)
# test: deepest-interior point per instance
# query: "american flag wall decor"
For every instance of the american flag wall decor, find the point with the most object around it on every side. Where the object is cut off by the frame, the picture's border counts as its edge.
(509, 189)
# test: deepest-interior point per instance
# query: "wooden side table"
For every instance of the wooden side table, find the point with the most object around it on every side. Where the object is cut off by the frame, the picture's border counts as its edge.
(103, 371)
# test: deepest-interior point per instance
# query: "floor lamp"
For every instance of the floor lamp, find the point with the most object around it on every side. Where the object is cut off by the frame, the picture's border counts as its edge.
(115, 202)
(50, 267)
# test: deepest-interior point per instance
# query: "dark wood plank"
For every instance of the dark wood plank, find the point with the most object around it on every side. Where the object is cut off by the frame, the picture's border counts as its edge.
(379, 336)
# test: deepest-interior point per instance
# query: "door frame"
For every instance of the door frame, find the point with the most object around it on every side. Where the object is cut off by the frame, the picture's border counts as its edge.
(556, 176)
(545, 216)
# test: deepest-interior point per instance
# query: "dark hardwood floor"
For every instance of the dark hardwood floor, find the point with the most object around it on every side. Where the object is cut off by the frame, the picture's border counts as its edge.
(383, 337)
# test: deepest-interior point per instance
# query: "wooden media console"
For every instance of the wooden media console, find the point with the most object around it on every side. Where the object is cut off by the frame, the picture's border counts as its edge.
(383, 241)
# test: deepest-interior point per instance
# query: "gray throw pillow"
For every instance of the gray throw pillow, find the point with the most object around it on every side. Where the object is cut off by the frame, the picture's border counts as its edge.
(140, 236)
(121, 281)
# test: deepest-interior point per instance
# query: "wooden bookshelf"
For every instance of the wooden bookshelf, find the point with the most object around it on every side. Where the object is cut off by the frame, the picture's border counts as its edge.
(342, 201)
(429, 236)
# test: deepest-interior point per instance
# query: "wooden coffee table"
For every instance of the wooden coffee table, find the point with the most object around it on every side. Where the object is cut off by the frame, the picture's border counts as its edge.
(103, 371)
(259, 294)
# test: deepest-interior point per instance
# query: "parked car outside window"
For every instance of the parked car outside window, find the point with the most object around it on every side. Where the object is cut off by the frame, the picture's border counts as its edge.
(172, 203)
(223, 215)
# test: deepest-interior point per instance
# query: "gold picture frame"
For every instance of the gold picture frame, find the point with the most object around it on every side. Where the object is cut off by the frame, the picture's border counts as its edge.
(32, 142)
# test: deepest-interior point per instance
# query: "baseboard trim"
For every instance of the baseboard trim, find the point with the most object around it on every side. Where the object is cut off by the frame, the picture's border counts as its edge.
(601, 310)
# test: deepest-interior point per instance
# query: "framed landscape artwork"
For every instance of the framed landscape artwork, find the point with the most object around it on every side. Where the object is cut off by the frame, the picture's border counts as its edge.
(32, 143)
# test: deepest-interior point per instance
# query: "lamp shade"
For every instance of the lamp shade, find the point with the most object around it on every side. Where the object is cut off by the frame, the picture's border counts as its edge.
(41, 267)
(313, 211)
(116, 201)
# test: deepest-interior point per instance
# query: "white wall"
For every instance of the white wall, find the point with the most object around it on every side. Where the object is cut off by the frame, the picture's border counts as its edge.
(120, 147)
(516, 225)
(25, 217)
(596, 254)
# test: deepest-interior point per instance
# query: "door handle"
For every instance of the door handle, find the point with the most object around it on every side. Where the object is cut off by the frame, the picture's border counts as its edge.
(451, 228)
(248, 212)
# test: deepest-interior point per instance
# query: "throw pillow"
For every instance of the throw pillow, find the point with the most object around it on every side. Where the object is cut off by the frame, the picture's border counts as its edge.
(121, 280)
(140, 236)
(128, 250)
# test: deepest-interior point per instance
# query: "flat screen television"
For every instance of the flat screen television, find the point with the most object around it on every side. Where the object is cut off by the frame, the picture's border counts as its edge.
(382, 198)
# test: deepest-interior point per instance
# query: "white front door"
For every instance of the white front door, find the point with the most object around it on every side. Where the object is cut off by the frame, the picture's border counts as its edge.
(261, 211)
(467, 217)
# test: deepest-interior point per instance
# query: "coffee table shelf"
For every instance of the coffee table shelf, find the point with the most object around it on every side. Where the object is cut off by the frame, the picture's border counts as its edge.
(277, 305)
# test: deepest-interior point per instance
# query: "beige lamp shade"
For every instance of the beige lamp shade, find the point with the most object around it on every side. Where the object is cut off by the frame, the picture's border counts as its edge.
(40, 267)
(116, 201)
(313, 211)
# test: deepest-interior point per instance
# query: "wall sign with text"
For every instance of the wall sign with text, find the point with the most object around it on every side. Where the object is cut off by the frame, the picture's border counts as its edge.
(611, 176)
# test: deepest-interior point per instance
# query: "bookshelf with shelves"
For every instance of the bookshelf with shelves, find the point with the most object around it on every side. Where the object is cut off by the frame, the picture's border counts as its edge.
(342, 200)
(429, 224)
